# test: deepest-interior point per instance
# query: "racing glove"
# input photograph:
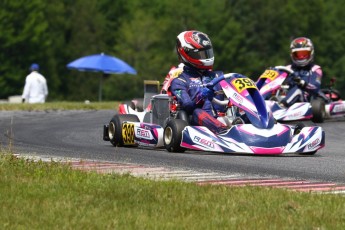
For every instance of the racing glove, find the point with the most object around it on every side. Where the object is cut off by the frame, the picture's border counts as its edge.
(299, 82)
(207, 93)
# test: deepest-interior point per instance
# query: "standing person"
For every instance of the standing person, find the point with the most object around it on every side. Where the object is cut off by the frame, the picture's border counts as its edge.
(305, 81)
(195, 51)
(35, 89)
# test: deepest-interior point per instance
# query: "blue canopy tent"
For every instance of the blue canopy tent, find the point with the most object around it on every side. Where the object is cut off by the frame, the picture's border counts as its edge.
(101, 63)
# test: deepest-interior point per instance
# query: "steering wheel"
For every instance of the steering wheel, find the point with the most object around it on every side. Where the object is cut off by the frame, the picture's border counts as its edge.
(214, 82)
(283, 68)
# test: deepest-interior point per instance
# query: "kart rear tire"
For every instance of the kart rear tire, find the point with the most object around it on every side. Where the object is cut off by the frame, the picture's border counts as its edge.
(138, 104)
(173, 135)
(115, 127)
(182, 115)
(318, 109)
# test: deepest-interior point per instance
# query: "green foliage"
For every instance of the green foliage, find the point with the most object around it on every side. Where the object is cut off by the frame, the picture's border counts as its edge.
(54, 106)
(248, 36)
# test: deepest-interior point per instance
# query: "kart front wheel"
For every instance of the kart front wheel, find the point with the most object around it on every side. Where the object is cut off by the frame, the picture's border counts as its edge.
(115, 127)
(173, 135)
(319, 111)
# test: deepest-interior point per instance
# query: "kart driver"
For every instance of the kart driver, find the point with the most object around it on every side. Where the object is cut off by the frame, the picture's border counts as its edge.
(305, 81)
(195, 51)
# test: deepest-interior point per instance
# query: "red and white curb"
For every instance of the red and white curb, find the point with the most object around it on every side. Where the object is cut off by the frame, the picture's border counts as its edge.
(200, 178)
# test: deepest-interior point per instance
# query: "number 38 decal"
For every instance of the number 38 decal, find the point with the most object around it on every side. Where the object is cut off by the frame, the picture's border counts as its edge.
(243, 83)
(128, 133)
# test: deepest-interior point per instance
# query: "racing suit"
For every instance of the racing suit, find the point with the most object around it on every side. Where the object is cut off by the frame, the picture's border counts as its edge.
(304, 84)
(187, 88)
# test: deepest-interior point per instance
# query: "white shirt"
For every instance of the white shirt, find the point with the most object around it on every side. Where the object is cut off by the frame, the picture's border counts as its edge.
(35, 89)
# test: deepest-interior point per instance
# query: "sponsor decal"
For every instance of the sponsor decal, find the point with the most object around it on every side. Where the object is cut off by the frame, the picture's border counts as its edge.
(297, 114)
(180, 79)
(194, 85)
(204, 142)
(313, 144)
(143, 133)
(128, 133)
(195, 80)
(273, 84)
(206, 43)
(237, 98)
(338, 108)
(178, 93)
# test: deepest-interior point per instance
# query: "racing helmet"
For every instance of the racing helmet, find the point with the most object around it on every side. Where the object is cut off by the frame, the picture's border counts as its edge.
(194, 48)
(302, 51)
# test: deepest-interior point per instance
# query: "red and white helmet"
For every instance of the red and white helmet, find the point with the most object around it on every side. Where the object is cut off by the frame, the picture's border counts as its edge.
(302, 51)
(195, 48)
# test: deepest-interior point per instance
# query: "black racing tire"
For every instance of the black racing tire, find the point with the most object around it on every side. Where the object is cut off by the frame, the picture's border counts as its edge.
(115, 128)
(319, 110)
(298, 127)
(181, 114)
(138, 104)
(173, 135)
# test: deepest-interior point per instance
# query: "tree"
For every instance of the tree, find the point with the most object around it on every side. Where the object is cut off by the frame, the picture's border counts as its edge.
(248, 36)
(23, 40)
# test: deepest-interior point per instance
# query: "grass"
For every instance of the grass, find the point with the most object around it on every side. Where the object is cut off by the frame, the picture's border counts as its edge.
(59, 106)
(38, 195)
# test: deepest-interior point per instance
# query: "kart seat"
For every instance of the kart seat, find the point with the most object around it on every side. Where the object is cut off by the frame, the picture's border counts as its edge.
(151, 88)
(330, 94)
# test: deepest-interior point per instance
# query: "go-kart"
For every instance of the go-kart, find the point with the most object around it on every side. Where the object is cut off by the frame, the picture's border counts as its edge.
(164, 125)
(327, 104)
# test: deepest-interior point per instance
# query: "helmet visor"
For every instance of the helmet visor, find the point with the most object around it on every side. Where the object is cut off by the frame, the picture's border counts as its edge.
(201, 54)
(301, 54)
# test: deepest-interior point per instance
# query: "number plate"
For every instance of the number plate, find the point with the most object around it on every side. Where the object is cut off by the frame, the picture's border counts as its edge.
(128, 133)
(270, 74)
(242, 84)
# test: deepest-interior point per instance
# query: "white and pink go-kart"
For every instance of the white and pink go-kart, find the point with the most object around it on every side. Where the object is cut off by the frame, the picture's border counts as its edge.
(327, 105)
(163, 125)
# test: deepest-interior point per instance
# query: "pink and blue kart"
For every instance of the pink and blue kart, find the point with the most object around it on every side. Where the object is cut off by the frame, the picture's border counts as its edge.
(165, 126)
(327, 104)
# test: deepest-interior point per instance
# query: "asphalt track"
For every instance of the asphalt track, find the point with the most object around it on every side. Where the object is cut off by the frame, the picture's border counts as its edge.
(78, 134)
